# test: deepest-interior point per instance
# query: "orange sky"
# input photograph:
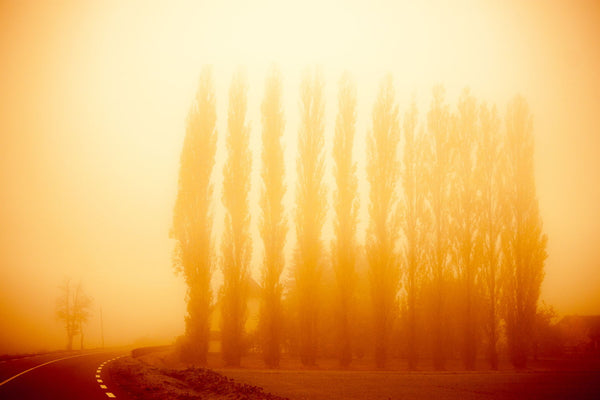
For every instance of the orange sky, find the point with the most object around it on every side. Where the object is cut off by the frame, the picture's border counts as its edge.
(93, 100)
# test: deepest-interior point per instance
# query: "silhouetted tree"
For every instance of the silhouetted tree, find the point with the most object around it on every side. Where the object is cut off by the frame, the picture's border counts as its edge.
(192, 220)
(346, 207)
(466, 220)
(547, 339)
(415, 222)
(310, 212)
(236, 240)
(73, 309)
(524, 241)
(273, 227)
(439, 170)
(383, 175)
(491, 187)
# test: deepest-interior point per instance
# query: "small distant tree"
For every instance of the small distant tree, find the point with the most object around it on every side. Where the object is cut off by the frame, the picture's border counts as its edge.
(383, 231)
(346, 207)
(194, 255)
(236, 240)
(310, 211)
(273, 226)
(524, 241)
(547, 338)
(73, 309)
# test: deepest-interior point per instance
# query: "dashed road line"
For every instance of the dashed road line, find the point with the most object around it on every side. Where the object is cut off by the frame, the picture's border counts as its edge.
(100, 381)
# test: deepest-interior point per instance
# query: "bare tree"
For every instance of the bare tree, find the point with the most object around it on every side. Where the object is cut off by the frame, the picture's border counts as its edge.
(383, 175)
(440, 160)
(310, 212)
(236, 241)
(491, 185)
(273, 224)
(192, 219)
(346, 207)
(73, 309)
(524, 241)
(415, 222)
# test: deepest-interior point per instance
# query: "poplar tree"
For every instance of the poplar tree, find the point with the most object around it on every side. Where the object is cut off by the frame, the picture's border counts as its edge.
(383, 175)
(346, 207)
(524, 241)
(491, 186)
(466, 221)
(192, 218)
(273, 227)
(236, 240)
(440, 163)
(310, 212)
(415, 222)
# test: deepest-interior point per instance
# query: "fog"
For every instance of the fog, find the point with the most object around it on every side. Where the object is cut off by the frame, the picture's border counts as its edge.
(93, 102)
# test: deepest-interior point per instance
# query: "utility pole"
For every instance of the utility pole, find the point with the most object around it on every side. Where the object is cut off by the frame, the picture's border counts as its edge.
(101, 327)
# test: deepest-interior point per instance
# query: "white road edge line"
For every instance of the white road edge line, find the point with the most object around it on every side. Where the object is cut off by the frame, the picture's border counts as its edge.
(41, 365)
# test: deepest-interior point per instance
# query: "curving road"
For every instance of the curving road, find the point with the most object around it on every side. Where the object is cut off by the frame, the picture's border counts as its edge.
(64, 376)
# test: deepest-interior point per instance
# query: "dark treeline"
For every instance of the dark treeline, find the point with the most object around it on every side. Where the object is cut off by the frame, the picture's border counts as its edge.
(453, 258)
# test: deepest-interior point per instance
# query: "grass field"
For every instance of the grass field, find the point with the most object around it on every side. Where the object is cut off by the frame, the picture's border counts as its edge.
(545, 379)
(322, 385)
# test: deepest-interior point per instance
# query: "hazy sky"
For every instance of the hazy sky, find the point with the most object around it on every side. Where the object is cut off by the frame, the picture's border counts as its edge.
(94, 96)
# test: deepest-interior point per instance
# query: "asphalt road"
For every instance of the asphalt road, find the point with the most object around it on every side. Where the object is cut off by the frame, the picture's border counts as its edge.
(64, 376)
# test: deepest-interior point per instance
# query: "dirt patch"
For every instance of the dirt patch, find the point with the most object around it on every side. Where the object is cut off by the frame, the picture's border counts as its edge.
(144, 381)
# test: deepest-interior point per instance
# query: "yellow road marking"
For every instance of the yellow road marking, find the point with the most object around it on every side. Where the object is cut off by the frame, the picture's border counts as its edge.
(38, 366)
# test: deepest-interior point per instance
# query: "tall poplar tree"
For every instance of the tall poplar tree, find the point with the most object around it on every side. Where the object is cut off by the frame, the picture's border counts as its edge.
(236, 241)
(525, 242)
(192, 220)
(440, 163)
(346, 207)
(383, 176)
(310, 211)
(466, 221)
(415, 222)
(273, 226)
(491, 186)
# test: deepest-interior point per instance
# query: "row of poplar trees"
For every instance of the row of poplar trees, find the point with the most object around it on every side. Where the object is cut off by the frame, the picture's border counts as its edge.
(452, 198)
